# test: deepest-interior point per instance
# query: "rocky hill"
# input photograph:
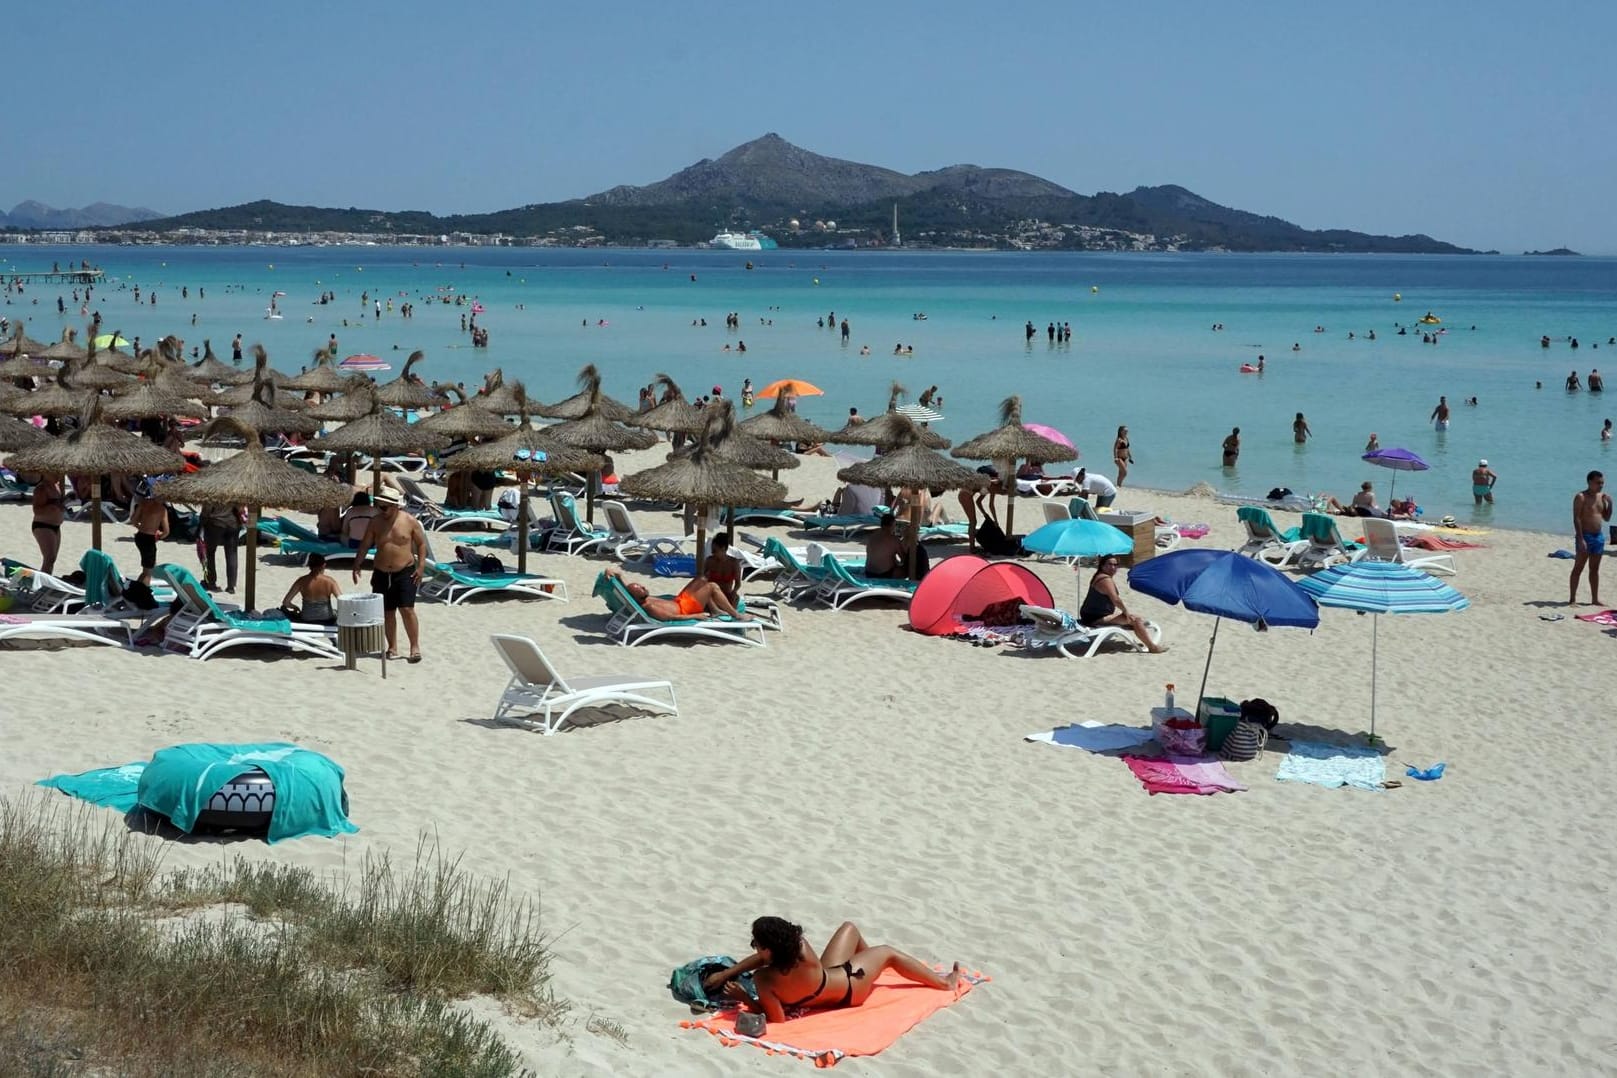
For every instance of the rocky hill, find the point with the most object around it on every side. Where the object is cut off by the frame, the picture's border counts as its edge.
(769, 184)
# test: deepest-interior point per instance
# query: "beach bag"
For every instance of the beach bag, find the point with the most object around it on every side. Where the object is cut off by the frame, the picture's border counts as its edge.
(992, 539)
(139, 595)
(686, 981)
(1279, 494)
(1180, 737)
(1245, 742)
(1262, 712)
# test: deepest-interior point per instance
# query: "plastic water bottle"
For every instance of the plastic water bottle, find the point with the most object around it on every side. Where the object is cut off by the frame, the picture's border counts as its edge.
(1167, 697)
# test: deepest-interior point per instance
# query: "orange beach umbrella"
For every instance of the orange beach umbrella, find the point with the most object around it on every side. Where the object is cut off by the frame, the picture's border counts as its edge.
(795, 387)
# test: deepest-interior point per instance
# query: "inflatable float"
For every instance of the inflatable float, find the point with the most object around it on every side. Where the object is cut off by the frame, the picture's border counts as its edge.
(1247, 368)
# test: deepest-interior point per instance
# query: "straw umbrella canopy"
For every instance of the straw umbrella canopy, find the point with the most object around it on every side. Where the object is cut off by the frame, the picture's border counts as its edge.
(595, 432)
(1011, 442)
(148, 400)
(323, 377)
(66, 350)
(96, 449)
(781, 424)
(908, 463)
(407, 391)
(501, 399)
(264, 378)
(739, 447)
(16, 434)
(354, 402)
(705, 480)
(94, 375)
(888, 428)
(63, 396)
(20, 344)
(675, 414)
(259, 481)
(379, 432)
(211, 371)
(590, 401)
(525, 451)
(463, 422)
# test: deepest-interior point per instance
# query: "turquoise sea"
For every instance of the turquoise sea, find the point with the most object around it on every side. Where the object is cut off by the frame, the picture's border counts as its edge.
(1143, 351)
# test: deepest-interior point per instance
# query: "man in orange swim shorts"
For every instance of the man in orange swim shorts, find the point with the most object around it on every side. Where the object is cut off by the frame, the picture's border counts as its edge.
(701, 598)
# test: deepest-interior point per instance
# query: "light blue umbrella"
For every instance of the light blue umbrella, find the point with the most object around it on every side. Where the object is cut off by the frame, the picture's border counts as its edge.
(1381, 587)
(1078, 538)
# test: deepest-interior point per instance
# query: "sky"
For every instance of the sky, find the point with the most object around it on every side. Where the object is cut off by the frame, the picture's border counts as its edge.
(1485, 124)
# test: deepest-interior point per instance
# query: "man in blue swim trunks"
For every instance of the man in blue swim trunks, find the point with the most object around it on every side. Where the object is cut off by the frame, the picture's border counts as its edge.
(1591, 511)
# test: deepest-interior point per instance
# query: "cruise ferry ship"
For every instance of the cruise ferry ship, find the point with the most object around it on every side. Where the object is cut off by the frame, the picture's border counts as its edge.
(742, 241)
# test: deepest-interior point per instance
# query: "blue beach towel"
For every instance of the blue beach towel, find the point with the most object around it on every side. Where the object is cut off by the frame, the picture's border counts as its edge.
(1333, 765)
(178, 782)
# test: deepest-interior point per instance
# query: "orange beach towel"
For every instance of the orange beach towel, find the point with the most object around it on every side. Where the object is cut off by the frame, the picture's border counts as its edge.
(895, 1006)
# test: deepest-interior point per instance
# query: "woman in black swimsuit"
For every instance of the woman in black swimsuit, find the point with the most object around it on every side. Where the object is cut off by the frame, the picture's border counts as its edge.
(791, 977)
(49, 512)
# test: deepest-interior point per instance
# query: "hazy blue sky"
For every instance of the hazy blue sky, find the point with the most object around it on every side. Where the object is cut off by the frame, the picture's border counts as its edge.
(1484, 123)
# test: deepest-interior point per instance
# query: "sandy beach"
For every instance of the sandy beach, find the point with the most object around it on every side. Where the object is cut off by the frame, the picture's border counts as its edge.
(855, 770)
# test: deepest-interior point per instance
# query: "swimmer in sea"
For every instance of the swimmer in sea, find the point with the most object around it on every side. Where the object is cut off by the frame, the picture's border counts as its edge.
(1440, 414)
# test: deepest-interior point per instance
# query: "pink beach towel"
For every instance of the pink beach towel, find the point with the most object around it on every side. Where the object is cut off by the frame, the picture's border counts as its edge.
(1604, 617)
(1194, 531)
(894, 1008)
(1182, 774)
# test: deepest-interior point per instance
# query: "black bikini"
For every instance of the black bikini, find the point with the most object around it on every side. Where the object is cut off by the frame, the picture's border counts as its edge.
(825, 976)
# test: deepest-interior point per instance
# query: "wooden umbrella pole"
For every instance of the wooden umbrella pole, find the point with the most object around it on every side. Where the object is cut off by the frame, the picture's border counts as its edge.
(1010, 504)
(915, 535)
(701, 538)
(95, 513)
(252, 555)
(522, 521)
(589, 496)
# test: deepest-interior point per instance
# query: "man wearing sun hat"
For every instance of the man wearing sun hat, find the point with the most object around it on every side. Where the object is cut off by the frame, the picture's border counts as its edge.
(1482, 481)
(401, 559)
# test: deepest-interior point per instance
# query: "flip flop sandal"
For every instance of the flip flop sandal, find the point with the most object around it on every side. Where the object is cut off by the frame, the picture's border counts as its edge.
(414, 659)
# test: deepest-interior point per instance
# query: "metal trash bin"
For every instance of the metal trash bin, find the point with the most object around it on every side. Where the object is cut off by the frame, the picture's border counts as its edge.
(361, 629)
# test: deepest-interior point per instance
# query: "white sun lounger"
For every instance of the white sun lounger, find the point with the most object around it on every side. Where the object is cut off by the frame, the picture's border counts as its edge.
(1381, 543)
(632, 547)
(202, 628)
(1059, 630)
(84, 628)
(549, 699)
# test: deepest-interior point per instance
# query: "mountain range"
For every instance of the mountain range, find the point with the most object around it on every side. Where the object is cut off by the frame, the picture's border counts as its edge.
(37, 215)
(805, 199)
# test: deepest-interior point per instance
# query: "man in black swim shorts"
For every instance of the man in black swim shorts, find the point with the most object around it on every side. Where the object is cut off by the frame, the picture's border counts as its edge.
(401, 558)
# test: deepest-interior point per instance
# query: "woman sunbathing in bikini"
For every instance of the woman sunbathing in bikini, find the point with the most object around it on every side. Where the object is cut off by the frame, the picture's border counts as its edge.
(791, 977)
(701, 598)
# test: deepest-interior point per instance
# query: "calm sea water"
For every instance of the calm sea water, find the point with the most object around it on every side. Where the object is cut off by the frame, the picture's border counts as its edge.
(1142, 353)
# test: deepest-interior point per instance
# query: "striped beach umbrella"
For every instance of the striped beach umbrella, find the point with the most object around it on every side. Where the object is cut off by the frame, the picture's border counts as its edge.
(1381, 587)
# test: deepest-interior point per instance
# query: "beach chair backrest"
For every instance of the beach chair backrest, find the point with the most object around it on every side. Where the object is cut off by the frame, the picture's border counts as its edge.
(567, 512)
(615, 595)
(291, 527)
(191, 593)
(1319, 529)
(1054, 511)
(526, 661)
(1381, 536)
(833, 565)
(774, 548)
(1257, 522)
(103, 583)
(414, 491)
(619, 521)
(816, 553)
(1081, 509)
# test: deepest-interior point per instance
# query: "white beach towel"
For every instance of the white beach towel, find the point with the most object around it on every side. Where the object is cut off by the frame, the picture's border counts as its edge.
(1333, 765)
(1095, 736)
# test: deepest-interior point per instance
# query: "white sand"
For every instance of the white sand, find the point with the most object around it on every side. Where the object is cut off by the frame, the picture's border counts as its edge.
(855, 770)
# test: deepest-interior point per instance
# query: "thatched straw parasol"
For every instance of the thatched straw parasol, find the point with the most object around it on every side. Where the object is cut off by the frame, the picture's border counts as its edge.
(66, 350)
(407, 390)
(257, 480)
(61, 397)
(589, 401)
(323, 377)
(907, 463)
(211, 371)
(1009, 443)
(263, 377)
(501, 399)
(16, 434)
(704, 480)
(780, 424)
(526, 452)
(594, 432)
(886, 429)
(96, 449)
(675, 414)
(354, 402)
(91, 374)
(20, 344)
(379, 432)
(463, 422)
(739, 447)
(148, 400)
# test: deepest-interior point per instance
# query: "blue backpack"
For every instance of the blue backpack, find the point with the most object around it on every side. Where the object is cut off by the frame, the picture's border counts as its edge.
(686, 981)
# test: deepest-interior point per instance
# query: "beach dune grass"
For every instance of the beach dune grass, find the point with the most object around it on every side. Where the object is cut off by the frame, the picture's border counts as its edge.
(109, 965)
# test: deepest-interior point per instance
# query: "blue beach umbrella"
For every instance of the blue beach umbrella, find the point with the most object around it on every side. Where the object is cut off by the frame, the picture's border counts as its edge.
(1399, 460)
(1078, 538)
(1227, 585)
(1381, 587)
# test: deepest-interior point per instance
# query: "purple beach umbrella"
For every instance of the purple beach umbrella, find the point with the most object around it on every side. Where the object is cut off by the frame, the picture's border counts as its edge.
(1399, 460)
